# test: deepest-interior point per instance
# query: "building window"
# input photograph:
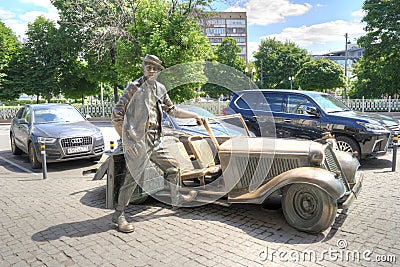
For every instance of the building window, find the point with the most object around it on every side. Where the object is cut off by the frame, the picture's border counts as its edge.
(217, 31)
(240, 39)
(235, 30)
(216, 22)
(215, 40)
(236, 22)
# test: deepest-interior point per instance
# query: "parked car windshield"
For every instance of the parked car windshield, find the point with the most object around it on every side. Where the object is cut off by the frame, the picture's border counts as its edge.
(192, 122)
(234, 124)
(57, 114)
(330, 104)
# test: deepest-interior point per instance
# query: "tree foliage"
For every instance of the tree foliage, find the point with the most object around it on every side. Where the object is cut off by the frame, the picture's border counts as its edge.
(320, 74)
(277, 61)
(226, 53)
(116, 33)
(378, 71)
(9, 49)
(41, 57)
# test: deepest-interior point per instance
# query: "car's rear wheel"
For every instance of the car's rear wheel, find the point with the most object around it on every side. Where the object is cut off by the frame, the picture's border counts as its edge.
(347, 144)
(14, 149)
(35, 164)
(308, 208)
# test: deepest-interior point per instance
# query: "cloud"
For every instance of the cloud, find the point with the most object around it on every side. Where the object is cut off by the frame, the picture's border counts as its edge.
(6, 14)
(319, 33)
(29, 17)
(265, 12)
(251, 48)
(42, 3)
(18, 22)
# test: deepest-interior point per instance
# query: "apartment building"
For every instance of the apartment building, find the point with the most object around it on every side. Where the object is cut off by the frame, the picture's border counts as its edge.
(219, 25)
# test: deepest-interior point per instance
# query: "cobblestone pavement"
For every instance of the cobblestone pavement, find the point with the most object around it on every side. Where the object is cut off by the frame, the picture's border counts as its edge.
(62, 221)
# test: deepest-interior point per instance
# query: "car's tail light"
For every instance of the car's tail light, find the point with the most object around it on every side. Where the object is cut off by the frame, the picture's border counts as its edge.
(224, 111)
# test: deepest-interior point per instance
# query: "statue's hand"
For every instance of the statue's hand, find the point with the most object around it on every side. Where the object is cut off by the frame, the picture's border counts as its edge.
(199, 121)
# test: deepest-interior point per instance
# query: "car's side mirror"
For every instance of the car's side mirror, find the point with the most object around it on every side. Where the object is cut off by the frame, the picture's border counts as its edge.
(22, 121)
(313, 111)
(87, 116)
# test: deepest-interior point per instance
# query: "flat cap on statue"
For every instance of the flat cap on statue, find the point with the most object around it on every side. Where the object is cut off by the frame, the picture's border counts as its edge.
(152, 59)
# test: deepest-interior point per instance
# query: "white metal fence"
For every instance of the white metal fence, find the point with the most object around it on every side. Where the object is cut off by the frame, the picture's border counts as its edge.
(388, 104)
(216, 107)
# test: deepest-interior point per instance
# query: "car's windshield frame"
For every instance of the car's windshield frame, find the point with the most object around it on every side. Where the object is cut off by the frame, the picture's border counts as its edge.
(240, 126)
(56, 114)
(330, 104)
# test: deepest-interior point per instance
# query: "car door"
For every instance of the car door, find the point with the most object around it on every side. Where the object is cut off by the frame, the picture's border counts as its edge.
(24, 129)
(297, 120)
(256, 111)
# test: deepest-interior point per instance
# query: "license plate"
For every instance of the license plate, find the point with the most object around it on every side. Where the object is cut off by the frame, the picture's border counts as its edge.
(77, 149)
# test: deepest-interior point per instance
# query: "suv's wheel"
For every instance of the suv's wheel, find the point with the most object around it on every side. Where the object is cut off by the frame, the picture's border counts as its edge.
(35, 164)
(308, 208)
(347, 144)
(14, 149)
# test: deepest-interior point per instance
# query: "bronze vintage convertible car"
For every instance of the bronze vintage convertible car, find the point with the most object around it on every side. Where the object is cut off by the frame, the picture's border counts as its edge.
(313, 177)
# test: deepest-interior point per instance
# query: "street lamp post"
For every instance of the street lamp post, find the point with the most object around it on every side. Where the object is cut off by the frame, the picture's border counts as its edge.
(346, 36)
(291, 80)
(253, 71)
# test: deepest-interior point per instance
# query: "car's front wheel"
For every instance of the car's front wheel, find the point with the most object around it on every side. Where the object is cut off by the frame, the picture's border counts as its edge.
(14, 149)
(308, 208)
(35, 163)
(347, 144)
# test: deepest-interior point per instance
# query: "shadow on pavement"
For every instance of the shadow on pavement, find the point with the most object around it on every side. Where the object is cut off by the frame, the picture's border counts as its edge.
(75, 229)
(257, 222)
(53, 167)
(95, 198)
(375, 163)
(268, 225)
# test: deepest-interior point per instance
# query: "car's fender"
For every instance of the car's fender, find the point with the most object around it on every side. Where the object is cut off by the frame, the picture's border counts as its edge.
(319, 177)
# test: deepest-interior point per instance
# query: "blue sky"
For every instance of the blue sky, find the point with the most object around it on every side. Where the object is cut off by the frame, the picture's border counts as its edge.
(316, 25)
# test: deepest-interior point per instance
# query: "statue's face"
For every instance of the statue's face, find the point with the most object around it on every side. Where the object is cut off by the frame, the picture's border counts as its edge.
(150, 71)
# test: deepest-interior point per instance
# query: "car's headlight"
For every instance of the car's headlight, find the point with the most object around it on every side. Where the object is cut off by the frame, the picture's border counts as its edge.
(46, 140)
(98, 135)
(372, 127)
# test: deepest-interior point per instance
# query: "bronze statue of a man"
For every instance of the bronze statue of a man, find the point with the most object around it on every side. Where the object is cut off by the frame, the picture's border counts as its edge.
(145, 99)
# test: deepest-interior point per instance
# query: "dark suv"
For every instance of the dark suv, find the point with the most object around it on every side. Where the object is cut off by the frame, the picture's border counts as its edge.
(308, 114)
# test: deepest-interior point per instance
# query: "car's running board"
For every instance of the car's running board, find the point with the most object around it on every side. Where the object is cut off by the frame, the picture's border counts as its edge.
(199, 199)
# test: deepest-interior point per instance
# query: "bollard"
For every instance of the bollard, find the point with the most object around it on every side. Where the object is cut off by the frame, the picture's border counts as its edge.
(394, 158)
(112, 146)
(43, 153)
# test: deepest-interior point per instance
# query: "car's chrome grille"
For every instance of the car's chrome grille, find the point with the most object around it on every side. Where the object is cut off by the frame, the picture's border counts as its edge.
(76, 141)
(330, 160)
(331, 164)
(256, 169)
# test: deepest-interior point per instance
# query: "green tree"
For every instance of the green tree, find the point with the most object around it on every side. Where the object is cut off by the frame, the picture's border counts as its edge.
(226, 53)
(9, 49)
(115, 33)
(320, 74)
(176, 37)
(277, 61)
(379, 70)
(41, 57)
